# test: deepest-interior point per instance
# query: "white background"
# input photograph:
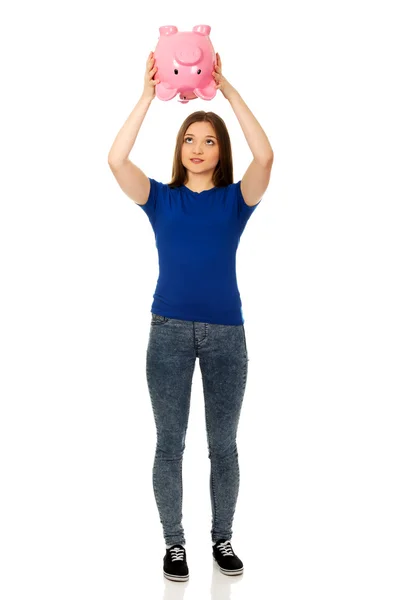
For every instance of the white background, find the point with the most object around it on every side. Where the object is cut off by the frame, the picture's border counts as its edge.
(318, 272)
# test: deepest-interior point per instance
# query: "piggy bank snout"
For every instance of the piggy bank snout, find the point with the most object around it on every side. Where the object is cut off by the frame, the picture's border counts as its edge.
(191, 56)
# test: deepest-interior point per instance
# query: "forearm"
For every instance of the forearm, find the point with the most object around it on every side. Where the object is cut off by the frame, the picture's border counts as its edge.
(126, 137)
(253, 132)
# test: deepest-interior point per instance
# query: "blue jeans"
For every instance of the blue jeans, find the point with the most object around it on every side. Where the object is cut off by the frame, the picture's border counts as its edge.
(172, 350)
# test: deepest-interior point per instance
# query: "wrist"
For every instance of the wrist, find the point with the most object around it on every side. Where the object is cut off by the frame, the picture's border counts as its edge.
(229, 92)
(146, 99)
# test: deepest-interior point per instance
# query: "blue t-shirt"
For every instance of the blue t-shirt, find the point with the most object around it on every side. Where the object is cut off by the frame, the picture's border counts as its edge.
(197, 235)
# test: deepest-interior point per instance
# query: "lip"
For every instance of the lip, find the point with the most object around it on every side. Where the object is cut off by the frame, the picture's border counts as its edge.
(197, 160)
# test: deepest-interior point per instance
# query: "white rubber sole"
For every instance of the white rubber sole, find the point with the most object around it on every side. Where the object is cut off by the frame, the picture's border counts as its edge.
(176, 577)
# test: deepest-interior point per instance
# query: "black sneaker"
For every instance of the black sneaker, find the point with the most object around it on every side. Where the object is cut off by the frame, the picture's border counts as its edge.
(175, 566)
(228, 562)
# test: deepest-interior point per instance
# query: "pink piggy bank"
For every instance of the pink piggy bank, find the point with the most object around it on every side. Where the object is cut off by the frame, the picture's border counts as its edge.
(185, 62)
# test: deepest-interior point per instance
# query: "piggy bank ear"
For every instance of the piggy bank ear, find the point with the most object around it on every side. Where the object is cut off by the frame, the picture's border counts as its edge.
(202, 29)
(168, 30)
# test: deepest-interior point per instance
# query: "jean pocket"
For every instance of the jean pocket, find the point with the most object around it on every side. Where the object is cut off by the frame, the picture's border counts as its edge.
(158, 319)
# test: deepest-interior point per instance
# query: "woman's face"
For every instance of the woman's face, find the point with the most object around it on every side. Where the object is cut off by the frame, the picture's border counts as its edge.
(200, 141)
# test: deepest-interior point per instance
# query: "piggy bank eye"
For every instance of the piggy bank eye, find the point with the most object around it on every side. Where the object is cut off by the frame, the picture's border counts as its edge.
(198, 72)
(176, 71)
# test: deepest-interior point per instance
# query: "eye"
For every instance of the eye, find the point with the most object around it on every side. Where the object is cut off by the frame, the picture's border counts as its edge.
(189, 138)
(176, 71)
(198, 72)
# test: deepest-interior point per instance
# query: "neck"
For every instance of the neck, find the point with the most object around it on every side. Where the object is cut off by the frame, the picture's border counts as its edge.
(199, 183)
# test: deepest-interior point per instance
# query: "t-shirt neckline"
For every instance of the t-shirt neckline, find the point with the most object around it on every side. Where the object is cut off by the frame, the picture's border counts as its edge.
(198, 193)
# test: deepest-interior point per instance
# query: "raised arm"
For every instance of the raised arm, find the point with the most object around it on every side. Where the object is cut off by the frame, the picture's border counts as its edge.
(256, 179)
(129, 176)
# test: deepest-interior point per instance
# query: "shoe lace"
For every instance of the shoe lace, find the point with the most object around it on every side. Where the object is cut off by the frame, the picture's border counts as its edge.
(226, 548)
(177, 553)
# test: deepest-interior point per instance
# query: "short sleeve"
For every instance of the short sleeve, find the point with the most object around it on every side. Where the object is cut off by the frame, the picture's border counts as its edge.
(244, 210)
(151, 205)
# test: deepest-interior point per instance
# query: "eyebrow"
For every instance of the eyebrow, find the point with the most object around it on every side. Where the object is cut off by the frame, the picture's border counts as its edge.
(192, 135)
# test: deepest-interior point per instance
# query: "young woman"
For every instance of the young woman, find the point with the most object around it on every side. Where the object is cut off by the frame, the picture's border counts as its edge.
(198, 218)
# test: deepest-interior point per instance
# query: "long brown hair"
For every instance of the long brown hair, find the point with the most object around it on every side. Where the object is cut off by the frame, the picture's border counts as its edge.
(223, 172)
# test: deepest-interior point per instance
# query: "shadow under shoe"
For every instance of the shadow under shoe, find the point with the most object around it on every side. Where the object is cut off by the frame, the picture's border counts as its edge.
(175, 565)
(224, 556)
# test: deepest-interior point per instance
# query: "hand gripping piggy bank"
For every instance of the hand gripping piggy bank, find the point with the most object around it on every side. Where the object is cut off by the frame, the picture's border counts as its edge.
(185, 62)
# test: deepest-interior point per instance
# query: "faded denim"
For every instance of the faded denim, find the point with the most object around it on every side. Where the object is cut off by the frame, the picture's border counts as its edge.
(172, 350)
